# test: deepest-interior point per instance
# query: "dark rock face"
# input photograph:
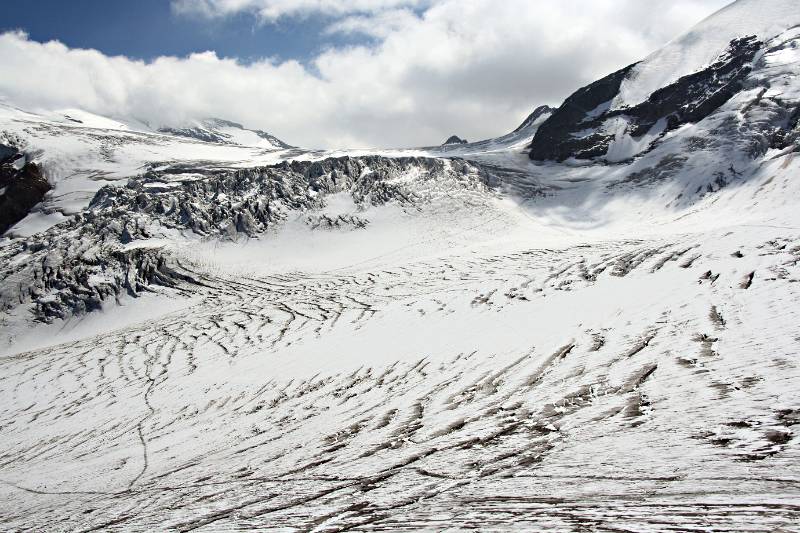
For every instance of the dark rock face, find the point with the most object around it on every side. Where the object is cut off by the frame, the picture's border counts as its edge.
(555, 138)
(789, 134)
(22, 186)
(6, 153)
(533, 117)
(454, 139)
(577, 129)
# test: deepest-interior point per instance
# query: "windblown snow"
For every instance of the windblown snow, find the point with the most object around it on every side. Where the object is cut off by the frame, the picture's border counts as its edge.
(217, 336)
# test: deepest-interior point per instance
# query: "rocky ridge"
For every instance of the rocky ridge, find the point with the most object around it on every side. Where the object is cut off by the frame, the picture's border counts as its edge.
(585, 126)
(454, 139)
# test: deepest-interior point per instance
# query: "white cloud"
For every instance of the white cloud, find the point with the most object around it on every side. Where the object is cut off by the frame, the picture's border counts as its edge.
(473, 68)
(271, 10)
(379, 25)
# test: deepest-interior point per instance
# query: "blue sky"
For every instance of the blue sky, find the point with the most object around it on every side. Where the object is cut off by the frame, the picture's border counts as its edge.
(326, 73)
(145, 29)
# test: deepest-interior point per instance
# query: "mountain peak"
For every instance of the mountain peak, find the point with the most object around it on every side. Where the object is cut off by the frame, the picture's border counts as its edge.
(454, 139)
(534, 116)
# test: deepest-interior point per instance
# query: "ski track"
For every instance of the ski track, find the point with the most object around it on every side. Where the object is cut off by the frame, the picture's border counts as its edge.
(632, 421)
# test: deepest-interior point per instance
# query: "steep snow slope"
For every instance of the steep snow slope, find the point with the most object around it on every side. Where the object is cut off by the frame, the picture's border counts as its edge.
(434, 339)
(693, 51)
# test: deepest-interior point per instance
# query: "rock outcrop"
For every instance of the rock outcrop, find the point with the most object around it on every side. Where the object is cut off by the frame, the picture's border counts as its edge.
(585, 126)
(22, 186)
(454, 139)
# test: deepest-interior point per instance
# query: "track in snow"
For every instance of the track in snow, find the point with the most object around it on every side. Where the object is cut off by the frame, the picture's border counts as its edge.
(614, 386)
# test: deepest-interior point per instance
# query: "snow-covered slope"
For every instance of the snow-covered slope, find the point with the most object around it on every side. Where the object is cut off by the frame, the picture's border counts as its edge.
(509, 142)
(698, 48)
(216, 130)
(451, 338)
(629, 111)
(80, 152)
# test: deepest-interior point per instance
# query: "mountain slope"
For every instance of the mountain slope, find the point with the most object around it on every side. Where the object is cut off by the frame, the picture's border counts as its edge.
(216, 130)
(627, 112)
(79, 152)
(699, 47)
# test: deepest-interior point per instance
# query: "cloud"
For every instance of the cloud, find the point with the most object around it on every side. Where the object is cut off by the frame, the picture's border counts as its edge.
(271, 10)
(473, 68)
(378, 25)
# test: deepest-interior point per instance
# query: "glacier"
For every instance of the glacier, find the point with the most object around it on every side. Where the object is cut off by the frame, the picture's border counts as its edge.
(230, 333)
